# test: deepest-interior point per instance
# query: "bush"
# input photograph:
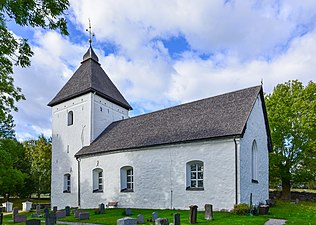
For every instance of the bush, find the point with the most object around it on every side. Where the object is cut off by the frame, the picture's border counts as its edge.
(241, 209)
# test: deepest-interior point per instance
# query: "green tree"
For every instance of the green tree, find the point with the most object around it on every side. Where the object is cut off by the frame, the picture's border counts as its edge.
(292, 118)
(16, 51)
(39, 153)
(11, 178)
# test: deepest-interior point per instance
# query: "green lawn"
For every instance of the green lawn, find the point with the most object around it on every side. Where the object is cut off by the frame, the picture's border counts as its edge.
(302, 213)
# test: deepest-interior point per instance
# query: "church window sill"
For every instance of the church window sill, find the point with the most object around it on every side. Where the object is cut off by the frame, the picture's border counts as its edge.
(254, 181)
(195, 188)
(127, 190)
(97, 191)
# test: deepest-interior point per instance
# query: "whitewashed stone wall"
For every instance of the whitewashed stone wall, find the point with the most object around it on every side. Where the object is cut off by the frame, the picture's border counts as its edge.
(88, 122)
(255, 130)
(160, 176)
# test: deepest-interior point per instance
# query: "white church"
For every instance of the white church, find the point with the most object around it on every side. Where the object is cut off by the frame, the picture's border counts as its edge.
(211, 151)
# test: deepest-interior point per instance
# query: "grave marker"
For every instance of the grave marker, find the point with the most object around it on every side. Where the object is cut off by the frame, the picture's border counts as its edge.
(50, 219)
(61, 214)
(83, 216)
(176, 219)
(19, 218)
(101, 208)
(126, 221)
(38, 210)
(15, 211)
(161, 221)
(193, 214)
(128, 211)
(154, 216)
(140, 219)
(33, 222)
(208, 214)
(67, 210)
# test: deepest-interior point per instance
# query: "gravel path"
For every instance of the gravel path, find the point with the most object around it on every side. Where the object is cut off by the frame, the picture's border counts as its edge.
(275, 222)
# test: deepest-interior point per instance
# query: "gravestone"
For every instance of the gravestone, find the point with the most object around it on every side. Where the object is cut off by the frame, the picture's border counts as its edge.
(83, 216)
(161, 221)
(38, 210)
(33, 222)
(1, 217)
(126, 221)
(176, 219)
(60, 214)
(140, 219)
(154, 216)
(15, 211)
(208, 214)
(77, 212)
(55, 209)
(50, 219)
(193, 214)
(128, 211)
(1, 209)
(18, 218)
(101, 208)
(67, 210)
(46, 210)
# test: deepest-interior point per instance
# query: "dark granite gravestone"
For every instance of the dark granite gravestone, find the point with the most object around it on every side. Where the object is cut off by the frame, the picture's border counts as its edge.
(176, 219)
(101, 208)
(50, 219)
(161, 221)
(208, 214)
(154, 216)
(193, 214)
(67, 210)
(15, 212)
(33, 222)
(38, 209)
(140, 219)
(1, 217)
(1, 210)
(77, 212)
(83, 216)
(61, 214)
(55, 209)
(126, 221)
(128, 211)
(19, 218)
(46, 210)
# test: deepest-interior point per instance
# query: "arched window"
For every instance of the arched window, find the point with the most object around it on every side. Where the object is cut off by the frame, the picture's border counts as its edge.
(254, 162)
(97, 175)
(195, 175)
(127, 179)
(67, 183)
(70, 118)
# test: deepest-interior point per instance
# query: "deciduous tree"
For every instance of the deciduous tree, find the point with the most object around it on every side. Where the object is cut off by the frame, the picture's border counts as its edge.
(291, 111)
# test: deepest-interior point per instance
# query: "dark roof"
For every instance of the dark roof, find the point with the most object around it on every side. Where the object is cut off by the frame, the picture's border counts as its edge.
(90, 77)
(219, 116)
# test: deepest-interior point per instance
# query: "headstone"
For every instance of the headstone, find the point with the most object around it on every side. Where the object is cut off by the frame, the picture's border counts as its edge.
(1, 209)
(55, 209)
(50, 219)
(161, 221)
(33, 222)
(154, 216)
(38, 209)
(126, 221)
(83, 216)
(193, 214)
(26, 206)
(1, 217)
(46, 210)
(15, 211)
(140, 219)
(67, 210)
(208, 214)
(77, 212)
(176, 219)
(128, 211)
(61, 214)
(297, 201)
(19, 218)
(101, 208)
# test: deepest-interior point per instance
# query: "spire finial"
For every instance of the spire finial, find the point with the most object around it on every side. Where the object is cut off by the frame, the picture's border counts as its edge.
(91, 34)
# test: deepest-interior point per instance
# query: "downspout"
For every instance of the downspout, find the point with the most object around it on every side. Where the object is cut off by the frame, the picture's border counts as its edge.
(78, 159)
(236, 171)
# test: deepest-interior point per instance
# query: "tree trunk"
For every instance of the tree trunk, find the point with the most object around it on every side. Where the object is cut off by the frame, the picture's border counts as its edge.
(286, 189)
(38, 195)
(8, 197)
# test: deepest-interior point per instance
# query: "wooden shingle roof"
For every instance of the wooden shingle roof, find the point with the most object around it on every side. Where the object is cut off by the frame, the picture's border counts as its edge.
(90, 77)
(220, 116)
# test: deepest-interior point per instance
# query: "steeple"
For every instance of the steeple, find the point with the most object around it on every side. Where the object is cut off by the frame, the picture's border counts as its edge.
(90, 54)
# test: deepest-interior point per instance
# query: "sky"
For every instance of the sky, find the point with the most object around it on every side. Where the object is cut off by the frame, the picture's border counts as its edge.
(162, 53)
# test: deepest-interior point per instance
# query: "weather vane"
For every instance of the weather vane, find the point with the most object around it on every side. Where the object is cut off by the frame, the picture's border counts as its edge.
(89, 30)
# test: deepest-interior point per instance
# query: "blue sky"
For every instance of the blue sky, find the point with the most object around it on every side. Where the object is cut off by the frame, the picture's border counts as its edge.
(160, 54)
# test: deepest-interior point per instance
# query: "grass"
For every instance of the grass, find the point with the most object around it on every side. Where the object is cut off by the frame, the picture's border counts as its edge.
(302, 213)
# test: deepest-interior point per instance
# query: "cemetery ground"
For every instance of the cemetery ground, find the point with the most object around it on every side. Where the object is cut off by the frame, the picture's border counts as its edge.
(301, 213)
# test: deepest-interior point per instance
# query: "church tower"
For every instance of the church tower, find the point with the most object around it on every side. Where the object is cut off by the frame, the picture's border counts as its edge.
(81, 110)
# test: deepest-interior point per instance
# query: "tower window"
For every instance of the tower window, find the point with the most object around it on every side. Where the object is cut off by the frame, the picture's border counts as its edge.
(254, 162)
(67, 183)
(70, 118)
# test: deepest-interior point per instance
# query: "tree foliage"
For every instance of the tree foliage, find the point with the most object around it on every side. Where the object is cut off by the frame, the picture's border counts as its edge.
(16, 51)
(39, 153)
(292, 118)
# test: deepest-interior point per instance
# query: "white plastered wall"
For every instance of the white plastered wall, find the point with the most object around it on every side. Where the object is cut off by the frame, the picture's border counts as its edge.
(255, 130)
(160, 176)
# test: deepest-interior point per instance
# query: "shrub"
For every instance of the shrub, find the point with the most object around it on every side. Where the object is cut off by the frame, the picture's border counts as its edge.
(241, 209)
